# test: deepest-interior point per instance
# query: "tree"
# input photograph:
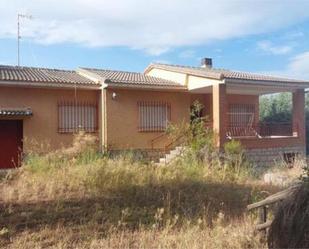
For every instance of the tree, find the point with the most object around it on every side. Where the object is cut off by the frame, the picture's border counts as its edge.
(278, 108)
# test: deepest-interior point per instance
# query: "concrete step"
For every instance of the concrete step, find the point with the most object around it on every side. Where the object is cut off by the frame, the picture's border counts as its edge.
(172, 155)
(177, 152)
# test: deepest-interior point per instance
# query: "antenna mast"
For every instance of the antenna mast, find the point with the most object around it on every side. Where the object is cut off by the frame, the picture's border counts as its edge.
(19, 16)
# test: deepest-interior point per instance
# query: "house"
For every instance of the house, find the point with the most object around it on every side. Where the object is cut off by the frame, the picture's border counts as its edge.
(129, 110)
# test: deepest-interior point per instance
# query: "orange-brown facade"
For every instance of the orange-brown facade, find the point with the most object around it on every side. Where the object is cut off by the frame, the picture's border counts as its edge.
(119, 116)
(122, 117)
(42, 126)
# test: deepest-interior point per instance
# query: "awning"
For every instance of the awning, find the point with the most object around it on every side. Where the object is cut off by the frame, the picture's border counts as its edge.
(15, 112)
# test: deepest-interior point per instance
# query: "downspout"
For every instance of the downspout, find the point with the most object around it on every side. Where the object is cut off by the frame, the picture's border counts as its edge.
(103, 119)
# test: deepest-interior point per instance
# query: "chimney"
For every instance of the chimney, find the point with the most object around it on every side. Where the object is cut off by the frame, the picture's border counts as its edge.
(206, 63)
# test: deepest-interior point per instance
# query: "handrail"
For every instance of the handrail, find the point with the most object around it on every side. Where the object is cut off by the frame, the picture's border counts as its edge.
(174, 142)
(167, 146)
(152, 141)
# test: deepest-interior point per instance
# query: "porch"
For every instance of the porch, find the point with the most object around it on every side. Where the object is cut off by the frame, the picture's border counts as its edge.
(233, 111)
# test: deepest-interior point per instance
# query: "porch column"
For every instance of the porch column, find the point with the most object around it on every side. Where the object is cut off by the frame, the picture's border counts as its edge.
(219, 107)
(299, 114)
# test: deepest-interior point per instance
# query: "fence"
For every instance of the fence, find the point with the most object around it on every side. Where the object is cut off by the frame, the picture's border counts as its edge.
(264, 205)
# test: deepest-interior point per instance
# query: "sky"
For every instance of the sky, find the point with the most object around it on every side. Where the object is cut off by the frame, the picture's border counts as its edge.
(263, 36)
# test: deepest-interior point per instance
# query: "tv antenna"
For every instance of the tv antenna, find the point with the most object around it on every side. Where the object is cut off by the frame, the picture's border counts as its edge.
(19, 17)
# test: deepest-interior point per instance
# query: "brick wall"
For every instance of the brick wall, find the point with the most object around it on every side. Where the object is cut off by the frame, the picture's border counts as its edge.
(267, 157)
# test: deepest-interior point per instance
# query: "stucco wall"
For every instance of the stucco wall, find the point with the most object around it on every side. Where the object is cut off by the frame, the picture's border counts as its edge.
(42, 126)
(122, 117)
(168, 75)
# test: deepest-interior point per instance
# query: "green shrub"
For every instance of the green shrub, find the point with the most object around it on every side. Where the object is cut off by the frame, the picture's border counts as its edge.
(235, 163)
(233, 148)
(194, 135)
(201, 151)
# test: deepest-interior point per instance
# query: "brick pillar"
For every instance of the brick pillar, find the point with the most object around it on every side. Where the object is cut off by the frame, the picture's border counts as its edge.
(219, 107)
(299, 114)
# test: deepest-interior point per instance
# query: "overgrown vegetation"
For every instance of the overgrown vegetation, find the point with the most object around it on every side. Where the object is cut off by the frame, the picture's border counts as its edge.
(77, 198)
(201, 152)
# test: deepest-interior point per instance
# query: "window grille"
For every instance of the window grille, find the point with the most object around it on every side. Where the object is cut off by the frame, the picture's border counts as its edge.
(76, 116)
(241, 114)
(153, 116)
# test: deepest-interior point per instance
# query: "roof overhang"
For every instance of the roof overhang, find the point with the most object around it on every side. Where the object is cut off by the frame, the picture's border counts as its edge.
(253, 87)
(246, 87)
(199, 83)
(145, 87)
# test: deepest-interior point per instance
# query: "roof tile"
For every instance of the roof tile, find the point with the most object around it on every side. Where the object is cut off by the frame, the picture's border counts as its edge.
(122, 77)
(220, 74)
(42, 75)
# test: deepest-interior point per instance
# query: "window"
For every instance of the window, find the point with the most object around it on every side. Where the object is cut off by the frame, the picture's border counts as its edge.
(153, 116)
(241, 114)
(75, 116)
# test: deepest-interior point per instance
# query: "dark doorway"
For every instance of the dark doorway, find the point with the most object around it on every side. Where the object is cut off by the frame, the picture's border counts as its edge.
(11, 134)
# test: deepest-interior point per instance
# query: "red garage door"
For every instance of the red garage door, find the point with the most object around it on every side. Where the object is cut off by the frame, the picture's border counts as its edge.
(10, 143)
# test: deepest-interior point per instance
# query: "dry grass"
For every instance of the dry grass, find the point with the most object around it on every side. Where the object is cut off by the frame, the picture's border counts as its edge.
(235, 235)
(284, 174)
(85, 200)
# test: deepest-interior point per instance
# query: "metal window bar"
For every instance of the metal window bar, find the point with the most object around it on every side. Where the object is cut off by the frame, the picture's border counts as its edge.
(153, 116)
(74, 116)
(241, 120)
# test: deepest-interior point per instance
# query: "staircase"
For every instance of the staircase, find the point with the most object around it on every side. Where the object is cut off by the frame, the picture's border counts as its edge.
(171, 156)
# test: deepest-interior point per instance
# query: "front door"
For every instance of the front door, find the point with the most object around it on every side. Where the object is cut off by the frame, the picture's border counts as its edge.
(11, 133)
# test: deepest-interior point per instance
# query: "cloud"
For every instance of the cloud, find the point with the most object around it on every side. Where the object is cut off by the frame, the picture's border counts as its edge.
(163, 61)
(269, 47)
(298, 67)
(187, 54)
(293, 35)
(155, 26)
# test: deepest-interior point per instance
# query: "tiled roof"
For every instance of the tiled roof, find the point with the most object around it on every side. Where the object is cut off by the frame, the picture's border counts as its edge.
(122, 77)
(42, 75)
(15, 112)
(221, 74)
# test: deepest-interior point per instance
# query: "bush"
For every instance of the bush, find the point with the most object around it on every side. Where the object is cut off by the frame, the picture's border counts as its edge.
(235, 163)
(195, 136)
(201, 150)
